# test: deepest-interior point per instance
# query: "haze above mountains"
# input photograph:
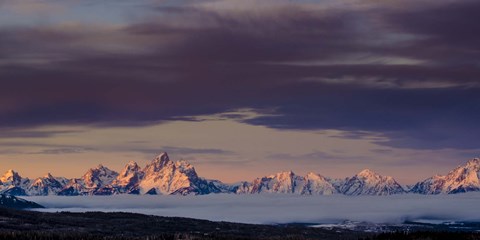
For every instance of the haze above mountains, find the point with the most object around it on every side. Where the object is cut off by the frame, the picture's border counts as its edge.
(163, 176)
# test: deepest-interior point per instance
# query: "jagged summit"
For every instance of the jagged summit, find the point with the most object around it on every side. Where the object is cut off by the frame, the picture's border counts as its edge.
(10, 172)
(13, 184)
(47, 185)
(130, 167)
(464, 178)
(161, 160)
(129, 178)
(48, 175)
(285, 174)
(99, 176)
(132, 163)
(11, 177)
(474, 162)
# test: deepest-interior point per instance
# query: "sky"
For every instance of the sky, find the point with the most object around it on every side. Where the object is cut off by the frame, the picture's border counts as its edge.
(240, 88)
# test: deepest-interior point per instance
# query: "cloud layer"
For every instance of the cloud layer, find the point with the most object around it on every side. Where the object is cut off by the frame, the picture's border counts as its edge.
(268, 209)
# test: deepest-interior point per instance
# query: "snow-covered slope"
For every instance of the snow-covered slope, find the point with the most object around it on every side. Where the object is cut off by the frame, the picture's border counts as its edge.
(316, 184)
(99, 177)
(283, 182)
(12, 183)
(73, 188)
(288, 182)
(47, 185)
(464, 178)
(368, 182)
(96, 181)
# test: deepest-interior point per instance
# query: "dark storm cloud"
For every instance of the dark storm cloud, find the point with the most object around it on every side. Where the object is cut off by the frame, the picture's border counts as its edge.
(427, 118)
(449, 31)
(292, 60)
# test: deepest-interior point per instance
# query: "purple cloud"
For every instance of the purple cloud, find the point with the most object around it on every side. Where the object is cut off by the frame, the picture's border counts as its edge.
(190, 61)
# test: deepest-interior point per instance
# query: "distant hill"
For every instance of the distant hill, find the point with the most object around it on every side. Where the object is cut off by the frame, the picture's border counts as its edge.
(8, 201)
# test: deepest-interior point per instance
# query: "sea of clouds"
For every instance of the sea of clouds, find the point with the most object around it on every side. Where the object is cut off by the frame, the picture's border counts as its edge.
(278, 208)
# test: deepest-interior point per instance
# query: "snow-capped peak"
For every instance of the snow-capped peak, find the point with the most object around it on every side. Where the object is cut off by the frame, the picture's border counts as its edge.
(464, 178)
(367, 173)
(11, 177)
(283, 175)
(48, 175)
(162, 159)
(10, 173)
(163, 176)
(46, 185)
(131, 167)
(99, 177)
(128, 180)
(288, 182)
(159, 162)
(367, 182)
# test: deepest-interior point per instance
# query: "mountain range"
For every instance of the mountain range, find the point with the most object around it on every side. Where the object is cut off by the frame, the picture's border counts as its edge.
(163, 176)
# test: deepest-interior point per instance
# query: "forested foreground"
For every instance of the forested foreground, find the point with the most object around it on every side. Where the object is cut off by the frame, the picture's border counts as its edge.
(431, 235)
(17, 224)
(178, 236)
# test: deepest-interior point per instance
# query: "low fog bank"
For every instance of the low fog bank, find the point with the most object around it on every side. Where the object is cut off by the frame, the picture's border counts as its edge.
(277, 208)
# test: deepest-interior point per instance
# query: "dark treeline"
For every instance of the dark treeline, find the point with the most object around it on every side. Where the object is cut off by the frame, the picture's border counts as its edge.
(31, 235)
(19, 225)
(426, 235)
(34, 235)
